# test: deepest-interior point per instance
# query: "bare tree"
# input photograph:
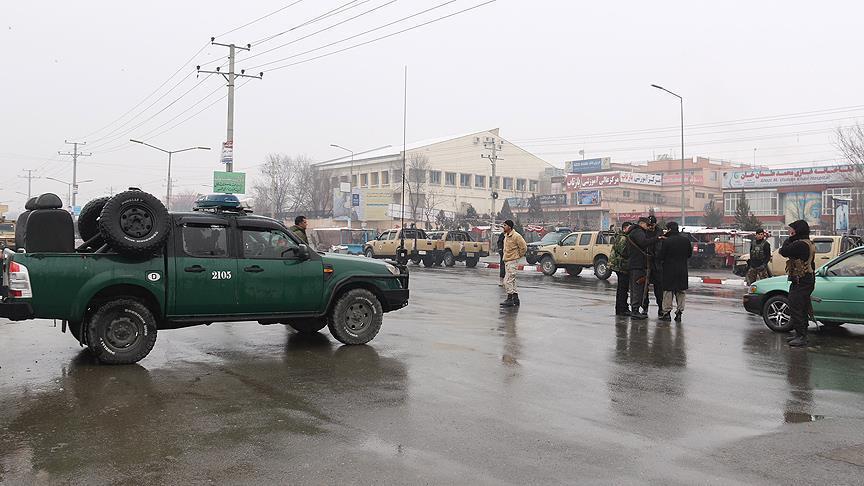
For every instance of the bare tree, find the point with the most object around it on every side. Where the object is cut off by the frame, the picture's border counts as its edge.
(275, 186)
(185, 200)
(417, 165)
(850, 142)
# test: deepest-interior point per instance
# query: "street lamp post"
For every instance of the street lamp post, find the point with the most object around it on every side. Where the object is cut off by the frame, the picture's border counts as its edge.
(681, 100)
(170, 153)
(350, 182)
(69, 189)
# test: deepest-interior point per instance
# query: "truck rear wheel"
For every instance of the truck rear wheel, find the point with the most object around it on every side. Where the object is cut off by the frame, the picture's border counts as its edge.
(472, 262)
(416, 260)
(602, 270)
(356, 317)
(134, 223)
(428, 260)
(573, 270)
(449, 259)
(121, 331)
(547, 264)
(531, 260)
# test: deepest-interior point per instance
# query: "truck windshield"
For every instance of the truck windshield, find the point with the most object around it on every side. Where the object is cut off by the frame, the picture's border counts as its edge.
(551, 238)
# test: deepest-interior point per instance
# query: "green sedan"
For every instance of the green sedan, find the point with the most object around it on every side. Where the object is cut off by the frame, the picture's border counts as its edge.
(838, 297)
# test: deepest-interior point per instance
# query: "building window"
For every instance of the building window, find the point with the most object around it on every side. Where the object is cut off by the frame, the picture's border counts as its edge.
(374, 176)
(385, 178)
(714, 176)
(354, 180)
(364, 180)
(343, 178)
(645, 196)
(449, 178)
(417, 175)
(435, 177)
(762, 203)
(658, 198)
(479, 181)
(532, 186)
(843, 192)
(711, 196)
(397, 176)
(508, 183)
(700, 195)
(625, 194)
(465, 180)
(520, 185)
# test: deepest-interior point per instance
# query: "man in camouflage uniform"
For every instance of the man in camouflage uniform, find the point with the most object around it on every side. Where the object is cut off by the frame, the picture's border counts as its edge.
(619, 263)
(800, 268)
(760, 256)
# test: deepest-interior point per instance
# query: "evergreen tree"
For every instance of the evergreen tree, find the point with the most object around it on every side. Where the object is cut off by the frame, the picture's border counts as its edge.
(744, 218)
(713, 215)
(471, 213)
(505, 213)
(535, 211)
(518, 226)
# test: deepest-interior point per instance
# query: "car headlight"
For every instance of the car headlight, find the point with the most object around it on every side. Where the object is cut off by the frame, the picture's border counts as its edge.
(752, 289)
(393, 270)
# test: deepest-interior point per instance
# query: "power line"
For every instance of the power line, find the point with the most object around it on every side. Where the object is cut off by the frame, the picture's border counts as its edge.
(323, 16)
(235, 29)
(319, 31)
(369, 31)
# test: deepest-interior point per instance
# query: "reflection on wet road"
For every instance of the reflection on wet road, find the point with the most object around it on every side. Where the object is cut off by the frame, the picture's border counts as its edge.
(453, 390)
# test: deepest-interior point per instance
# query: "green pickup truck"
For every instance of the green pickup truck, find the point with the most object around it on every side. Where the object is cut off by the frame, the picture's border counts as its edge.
(217, 264)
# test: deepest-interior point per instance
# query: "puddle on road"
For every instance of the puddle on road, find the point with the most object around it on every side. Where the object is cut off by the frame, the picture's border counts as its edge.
(800, 418)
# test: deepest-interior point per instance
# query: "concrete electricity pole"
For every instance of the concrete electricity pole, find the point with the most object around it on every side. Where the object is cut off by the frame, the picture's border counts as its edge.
(493, 145)
(230, 76)
(75, 154)
(29, 178)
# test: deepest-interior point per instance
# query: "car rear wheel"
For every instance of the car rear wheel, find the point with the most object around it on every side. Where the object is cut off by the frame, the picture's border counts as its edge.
(547, 264)
(531, 260)
(472, 262)
(602, 270)
(775, 314)
(356, 317)
(428, 260)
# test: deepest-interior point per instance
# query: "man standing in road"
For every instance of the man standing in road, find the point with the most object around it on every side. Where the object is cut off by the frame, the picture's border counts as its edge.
(655, 276)
(760, 256)
(620, 264)
(674, 253)
(501, 272)
(514, 249)
(299, 229)
(640, 239)
(800, 268)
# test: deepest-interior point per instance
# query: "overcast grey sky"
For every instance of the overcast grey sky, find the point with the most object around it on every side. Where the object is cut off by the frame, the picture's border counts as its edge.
(555, 76)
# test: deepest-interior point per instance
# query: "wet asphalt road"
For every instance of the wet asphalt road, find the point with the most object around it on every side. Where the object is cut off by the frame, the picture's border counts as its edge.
(452, 391)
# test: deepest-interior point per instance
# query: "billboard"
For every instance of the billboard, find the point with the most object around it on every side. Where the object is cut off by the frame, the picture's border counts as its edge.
(229, 182)
(587, 165)
(803, 205)
(640, 178)
(588, 198)
(841, 215)
(744, 179)
(517, 202)
(374, 204)
(674, 179)
(552, 199)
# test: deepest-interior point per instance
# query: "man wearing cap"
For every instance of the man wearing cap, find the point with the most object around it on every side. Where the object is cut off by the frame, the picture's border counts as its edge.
(655, 276)
(640, 239)
(760, 255)
(514, 249)
(801, 269)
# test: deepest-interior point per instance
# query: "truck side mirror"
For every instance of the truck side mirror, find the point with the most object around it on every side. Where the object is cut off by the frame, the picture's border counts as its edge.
(303, 252)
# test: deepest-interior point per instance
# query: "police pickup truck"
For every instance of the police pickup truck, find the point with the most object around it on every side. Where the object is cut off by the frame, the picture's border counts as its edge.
(142, 269)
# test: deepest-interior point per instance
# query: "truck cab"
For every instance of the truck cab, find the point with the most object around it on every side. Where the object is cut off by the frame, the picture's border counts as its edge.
(419, 246)
(579, 250)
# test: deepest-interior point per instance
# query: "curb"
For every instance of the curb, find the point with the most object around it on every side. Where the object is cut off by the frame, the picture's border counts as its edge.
(703, 280)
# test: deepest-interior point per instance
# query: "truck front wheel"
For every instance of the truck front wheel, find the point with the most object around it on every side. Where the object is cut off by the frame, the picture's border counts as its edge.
(602, 270)
(356, 317)
(547, 264)
(472, 262)
(369, 253)
(121, 331)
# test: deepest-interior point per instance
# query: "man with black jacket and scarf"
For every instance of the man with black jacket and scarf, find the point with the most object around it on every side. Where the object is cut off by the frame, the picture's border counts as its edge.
(640, 240)
(801, 270)
(656, 274)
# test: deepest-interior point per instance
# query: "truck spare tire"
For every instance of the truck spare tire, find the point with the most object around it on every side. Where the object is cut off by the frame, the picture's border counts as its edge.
(134, 223)
(88, 220)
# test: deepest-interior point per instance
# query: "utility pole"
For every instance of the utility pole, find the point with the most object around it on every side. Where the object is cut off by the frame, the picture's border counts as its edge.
(230, 76)
(29, 178)
(75, 154)
(493, 145)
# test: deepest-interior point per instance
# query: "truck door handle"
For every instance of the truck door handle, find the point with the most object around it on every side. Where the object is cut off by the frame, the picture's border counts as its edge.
(253, 269)
(194, 269)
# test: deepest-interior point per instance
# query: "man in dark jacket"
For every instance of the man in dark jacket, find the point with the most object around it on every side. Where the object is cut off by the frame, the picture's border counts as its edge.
(655, 277)
(760, 255)
(800, 268)
(619, 261)
(299, 229)
(640, 240)
(675, 252)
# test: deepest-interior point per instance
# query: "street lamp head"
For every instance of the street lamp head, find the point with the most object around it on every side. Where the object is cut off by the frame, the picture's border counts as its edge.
(136, 141)
(656, 86)
(203, 148)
